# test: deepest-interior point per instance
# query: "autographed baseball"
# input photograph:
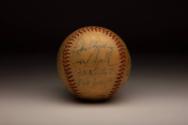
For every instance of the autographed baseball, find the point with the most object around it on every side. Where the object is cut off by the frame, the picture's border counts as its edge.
(93, 62)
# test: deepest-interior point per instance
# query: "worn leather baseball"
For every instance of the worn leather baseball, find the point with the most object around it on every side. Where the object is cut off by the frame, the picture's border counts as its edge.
(93, 62)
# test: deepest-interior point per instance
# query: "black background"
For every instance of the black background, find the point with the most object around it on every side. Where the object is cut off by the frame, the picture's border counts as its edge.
(147, 26)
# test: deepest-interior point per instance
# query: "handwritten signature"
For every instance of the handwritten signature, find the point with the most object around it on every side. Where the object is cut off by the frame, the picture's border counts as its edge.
(95, 50)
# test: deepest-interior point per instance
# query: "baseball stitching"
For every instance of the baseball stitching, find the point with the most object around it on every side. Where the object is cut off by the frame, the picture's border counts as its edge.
(66, 55)
(67, 68)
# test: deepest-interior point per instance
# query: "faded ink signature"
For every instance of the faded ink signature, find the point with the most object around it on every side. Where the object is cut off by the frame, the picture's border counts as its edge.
(94, 57)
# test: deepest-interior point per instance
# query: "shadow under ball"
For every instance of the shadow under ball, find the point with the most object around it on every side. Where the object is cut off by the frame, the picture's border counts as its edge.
(93, 62)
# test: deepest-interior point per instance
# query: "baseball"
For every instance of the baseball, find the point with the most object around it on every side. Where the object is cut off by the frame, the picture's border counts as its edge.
(93, 63)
